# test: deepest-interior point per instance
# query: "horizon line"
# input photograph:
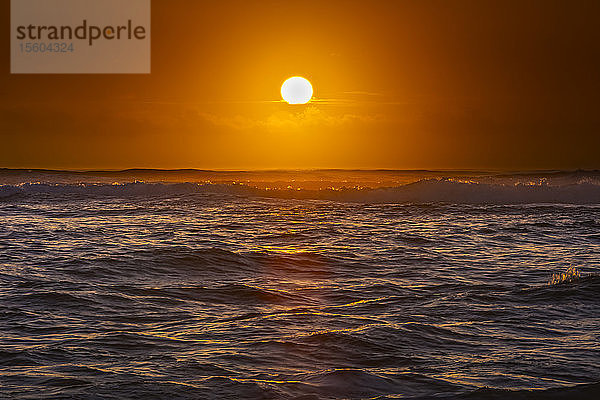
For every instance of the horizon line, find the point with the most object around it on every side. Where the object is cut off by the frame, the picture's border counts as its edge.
(137, 169)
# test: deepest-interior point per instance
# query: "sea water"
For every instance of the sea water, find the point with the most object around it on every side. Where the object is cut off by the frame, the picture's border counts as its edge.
(312, 285)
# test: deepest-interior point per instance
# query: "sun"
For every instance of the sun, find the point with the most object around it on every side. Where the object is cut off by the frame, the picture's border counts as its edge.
(296, 90)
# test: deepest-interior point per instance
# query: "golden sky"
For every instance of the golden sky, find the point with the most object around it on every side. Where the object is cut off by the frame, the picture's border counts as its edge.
(397, 84)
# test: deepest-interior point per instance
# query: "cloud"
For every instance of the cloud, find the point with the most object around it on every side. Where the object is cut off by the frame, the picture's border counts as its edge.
(310, 116)
(363, 93)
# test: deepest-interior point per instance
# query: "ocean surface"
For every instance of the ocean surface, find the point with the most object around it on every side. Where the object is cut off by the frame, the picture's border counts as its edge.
(146, 284)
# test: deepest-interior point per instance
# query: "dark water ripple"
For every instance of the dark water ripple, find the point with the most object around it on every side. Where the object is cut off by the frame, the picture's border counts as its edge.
(216, 296)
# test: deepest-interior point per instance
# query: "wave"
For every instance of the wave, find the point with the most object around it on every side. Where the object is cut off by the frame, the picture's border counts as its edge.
(583, 392)
(451, 191)
(568, 286)
(423, 191)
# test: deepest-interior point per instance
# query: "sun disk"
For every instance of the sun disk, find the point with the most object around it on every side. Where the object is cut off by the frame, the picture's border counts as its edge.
(296, 90)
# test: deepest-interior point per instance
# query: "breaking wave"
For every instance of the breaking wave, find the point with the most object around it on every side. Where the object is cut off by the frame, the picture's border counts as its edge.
(423, 191)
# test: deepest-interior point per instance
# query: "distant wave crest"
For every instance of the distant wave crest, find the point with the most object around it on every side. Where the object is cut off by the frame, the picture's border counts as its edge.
(424, 191)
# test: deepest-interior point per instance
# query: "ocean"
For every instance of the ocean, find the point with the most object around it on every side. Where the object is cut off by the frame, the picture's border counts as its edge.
(325, 284)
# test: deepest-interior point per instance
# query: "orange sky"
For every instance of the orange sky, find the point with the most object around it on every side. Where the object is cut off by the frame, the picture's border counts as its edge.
(428, 84)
